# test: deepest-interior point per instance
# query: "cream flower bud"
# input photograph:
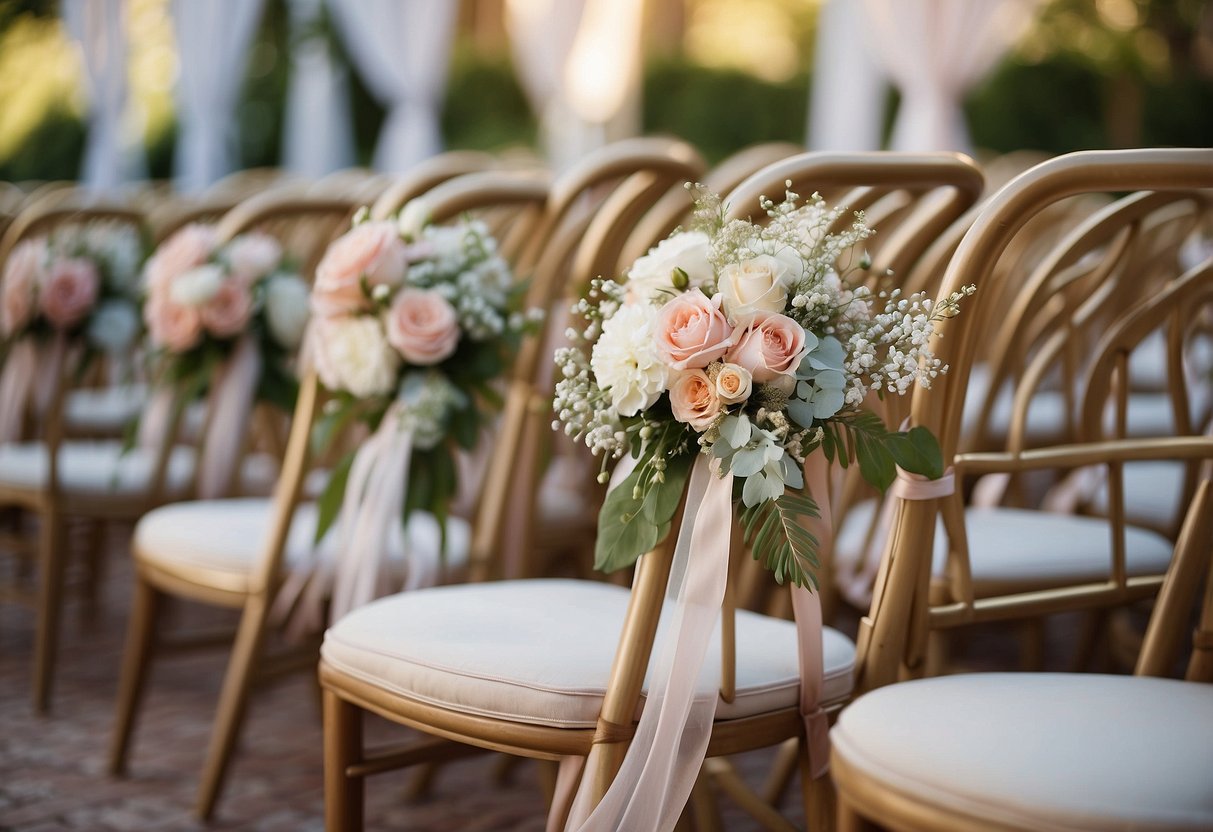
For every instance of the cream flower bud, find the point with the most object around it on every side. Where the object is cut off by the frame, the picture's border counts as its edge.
(733, 384)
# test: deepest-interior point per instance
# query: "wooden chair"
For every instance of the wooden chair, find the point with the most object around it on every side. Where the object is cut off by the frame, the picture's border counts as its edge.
(1050, 751)
(904, 578)
(245, 567)
(55, 479)
(526, 666)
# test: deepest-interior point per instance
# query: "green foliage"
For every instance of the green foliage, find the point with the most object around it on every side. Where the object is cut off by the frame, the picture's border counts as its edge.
(329, 504)
(635, 516)
(862, 436)
(775, 533)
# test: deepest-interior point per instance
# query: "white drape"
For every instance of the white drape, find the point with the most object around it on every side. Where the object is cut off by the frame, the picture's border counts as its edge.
(579, 63)
(99, 26)
(935, 51)
(213, 40)
(317, 136)
(402, 50)
(846, 110)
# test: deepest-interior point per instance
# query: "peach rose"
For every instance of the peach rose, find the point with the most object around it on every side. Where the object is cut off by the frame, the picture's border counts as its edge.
(771, 346)
(187, 249)
(23, 272)
(373, 251)
(693, 399)
(733, 383)
(228, 311)
(251, 256)
(691, 331)
(172, 325)
(423, 326)
(69, 291)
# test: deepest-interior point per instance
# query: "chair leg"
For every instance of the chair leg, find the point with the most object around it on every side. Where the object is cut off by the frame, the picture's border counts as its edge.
(342, 748)
(233, 699)
(819, 796)
(50, 607)
(851, 821)
(136, 661)
(95, 562)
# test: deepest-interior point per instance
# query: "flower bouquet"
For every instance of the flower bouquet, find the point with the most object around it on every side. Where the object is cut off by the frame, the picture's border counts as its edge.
(223, 320)
(747, 344)
(412, 326)
(76, 289)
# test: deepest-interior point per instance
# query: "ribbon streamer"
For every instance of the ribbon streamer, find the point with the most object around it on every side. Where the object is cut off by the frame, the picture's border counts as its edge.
(231, 403)
(16, 387)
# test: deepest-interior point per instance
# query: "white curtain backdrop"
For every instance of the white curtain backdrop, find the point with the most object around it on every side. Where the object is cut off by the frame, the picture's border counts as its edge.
(579, 63)
(935, 51)
(111, 155)
(846, 110)
(402, 50)
(213, 40)
(317, 136)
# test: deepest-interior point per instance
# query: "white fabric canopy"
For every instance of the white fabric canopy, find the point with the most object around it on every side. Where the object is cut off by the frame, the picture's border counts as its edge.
(847, 105)
(935, 51)
(579, 63)
(317, 136)
(99, 26)
(213, 41)
(401, 49)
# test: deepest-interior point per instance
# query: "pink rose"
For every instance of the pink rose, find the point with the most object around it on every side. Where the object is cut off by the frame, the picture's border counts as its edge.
(189, 248)
(694, 401)
(172, 325)
(771, 346)
(228, 312)
(691, 331)
(252, 256)
(423, 326)
(69, 291)
(23, 272)
(373, 251)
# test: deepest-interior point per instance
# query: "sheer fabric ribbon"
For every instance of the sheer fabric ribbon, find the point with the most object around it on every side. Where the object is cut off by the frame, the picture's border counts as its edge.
(30, 377)
(231, 404)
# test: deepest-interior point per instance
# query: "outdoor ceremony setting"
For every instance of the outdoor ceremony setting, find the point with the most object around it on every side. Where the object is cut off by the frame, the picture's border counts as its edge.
(591, 415)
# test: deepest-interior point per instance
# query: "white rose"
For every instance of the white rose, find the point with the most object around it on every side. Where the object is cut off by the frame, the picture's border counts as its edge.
(254, 255)
(414, 217)
(753, 286)
(286, 309)
(114, 325)
(352, 354)
(652, 276)
(733, 383)
(447, 242)
(625, 360)
(197, 286)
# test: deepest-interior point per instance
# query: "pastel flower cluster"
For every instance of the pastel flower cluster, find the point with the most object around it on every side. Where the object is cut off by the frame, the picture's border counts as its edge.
(408, 311)
(200, 290)
(79, 280)
(743, 341)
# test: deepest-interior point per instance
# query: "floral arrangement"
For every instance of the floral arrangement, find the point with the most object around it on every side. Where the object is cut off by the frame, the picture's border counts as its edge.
(747, 343)
(204, 297)
(79, 281)
(413, 323)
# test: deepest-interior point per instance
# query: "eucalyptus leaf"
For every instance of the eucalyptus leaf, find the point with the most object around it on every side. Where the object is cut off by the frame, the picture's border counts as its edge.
(624, 534)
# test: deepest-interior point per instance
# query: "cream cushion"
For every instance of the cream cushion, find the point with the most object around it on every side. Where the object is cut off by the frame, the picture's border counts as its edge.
(1041, 751)
(1153, 492)
(226, 537)
(1015, 550)
(103, 469)
(540, 651)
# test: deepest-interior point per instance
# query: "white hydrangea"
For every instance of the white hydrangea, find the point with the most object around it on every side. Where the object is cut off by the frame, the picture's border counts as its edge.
(353, 354)
(651, 278)
(625, 361)
(197, 286)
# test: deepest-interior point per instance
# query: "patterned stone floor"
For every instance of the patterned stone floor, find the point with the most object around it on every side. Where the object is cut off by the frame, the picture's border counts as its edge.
(52, 768)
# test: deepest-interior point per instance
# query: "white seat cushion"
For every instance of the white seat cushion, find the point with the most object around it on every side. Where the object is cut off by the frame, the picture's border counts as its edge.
(1152, 493)
(228, 536)
(1015, 550)
(102, 469)
(540, 651)
(1041, 751)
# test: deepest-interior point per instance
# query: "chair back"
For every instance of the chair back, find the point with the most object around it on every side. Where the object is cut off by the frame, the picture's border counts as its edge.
(887, 647)
(426, 175)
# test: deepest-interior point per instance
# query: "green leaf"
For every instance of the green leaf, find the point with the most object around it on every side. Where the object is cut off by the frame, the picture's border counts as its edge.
(624, 533)
(918, 452)
(465, 426)
(329, 504)
(777, 539)
(662, 500)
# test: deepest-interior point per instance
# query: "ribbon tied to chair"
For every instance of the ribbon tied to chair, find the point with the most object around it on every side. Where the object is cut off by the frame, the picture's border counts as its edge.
(671, 739)
(32, 371)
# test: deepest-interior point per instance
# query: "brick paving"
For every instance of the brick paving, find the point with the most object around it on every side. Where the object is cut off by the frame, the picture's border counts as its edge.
(52, 769)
